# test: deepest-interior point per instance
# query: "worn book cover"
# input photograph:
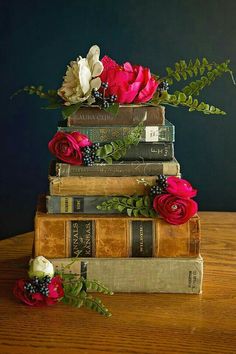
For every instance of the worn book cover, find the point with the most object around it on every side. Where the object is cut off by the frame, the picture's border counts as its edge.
(143, 275)
(131, 115)
(75, 235)
(117, 169)
(100, 185)
(101, 134)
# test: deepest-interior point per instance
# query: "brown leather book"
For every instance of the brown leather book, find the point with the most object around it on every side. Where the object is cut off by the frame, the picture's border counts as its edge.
(72, 235)
(99, 185)
(131, 115)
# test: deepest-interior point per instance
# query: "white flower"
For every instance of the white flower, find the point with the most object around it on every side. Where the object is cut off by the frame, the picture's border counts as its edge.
(81, 77)
(40, 267)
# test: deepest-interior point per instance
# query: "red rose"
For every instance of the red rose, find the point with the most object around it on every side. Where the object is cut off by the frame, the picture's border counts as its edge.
(180, 187)
(131, 83)
(55, 288)
(173, 209)
(67, 147)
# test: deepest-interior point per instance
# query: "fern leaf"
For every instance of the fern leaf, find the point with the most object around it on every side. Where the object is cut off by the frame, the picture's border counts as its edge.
(97, 286)
(96, 305)
(194, 87)
(179, 98)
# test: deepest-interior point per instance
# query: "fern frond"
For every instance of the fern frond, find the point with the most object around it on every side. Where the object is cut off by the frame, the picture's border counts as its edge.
(97, 286)
(196, 86)
(179, 98)
(96, 305)
(184, 70)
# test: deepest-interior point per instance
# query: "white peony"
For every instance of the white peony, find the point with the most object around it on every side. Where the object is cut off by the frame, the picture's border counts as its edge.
(81, 77)
(40, 267)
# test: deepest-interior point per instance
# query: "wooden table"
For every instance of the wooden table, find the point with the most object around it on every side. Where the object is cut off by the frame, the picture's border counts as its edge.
(141, 323)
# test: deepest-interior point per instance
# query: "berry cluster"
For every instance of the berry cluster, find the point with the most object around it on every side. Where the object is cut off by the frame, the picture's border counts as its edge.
(89, 154)
(101, 99)
(160, 186)
(37, 285)
(163, 86)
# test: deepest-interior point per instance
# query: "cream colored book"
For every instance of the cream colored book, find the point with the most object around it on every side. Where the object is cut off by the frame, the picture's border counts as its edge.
(140, 275)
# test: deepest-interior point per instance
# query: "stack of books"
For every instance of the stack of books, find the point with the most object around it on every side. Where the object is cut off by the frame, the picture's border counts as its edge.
(127, 254)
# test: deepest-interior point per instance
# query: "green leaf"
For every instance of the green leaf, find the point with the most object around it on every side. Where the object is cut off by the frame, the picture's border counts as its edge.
(136, 212)
(129, 211)
(113, 109)
(108, 148)
(146, 201)
(139, 203)
(69, 110)
(108, 160)
(144, 212)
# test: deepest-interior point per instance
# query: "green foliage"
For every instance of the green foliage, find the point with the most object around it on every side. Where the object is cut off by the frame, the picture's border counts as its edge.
(196, 86)
(113, 109)
(132, 205)
(179, 98)
(117, 149)
(75, 292)
(69, 110)
(54, 101)
(184, 70)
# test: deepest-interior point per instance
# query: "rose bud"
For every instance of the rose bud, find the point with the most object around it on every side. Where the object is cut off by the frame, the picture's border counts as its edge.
(40, 267)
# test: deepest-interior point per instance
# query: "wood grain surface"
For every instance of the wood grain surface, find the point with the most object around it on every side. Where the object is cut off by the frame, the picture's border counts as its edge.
(141, 323)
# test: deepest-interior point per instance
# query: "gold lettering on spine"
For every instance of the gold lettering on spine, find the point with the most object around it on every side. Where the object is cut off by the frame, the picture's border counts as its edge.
(88, 239)
(141, 239)
(75, 239)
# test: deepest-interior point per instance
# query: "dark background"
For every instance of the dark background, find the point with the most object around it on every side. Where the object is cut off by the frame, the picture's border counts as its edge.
(38, 40)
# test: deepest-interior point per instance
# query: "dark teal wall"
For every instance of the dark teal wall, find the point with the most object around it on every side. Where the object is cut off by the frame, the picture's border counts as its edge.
(39, 38)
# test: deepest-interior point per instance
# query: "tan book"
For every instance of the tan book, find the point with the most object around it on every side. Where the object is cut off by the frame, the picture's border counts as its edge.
(76, 235)
(127, 115)
(146, 275)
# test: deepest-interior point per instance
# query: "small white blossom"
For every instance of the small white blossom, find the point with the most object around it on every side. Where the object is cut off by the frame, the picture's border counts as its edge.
(40, 267)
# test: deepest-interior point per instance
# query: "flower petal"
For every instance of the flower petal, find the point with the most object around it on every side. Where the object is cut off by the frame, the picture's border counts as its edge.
(84, 75)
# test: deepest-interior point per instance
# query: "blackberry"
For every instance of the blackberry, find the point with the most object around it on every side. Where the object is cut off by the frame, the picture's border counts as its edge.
(162, 181)
(105, 104)
(155, 190)
(163, 86)
(104, 85)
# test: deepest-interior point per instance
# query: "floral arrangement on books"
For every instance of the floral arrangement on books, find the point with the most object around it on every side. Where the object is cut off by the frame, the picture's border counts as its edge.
(46, 287)
(171, 198)
(91, 81)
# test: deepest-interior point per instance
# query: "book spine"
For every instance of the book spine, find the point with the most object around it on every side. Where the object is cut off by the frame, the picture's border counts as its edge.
(165, 275)
(170, 168)
(132, 115)
(76, 205)
(150, 152)
(59, 236)
(152, 134)
(106, 186)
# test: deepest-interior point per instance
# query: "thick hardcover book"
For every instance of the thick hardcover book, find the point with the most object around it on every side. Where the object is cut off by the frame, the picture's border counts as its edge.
(105, 186)
(74, 235)
(155, 134)
(131, 115)
(143, 275)
(77, 204)
(118, 169)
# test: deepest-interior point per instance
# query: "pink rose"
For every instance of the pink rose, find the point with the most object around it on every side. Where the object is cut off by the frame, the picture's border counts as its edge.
(67, 146)
(130, 83)
(173, 209)
(180, 187)
(55, 288)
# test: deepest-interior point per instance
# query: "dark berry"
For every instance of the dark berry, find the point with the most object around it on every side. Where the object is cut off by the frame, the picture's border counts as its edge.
(104, 85)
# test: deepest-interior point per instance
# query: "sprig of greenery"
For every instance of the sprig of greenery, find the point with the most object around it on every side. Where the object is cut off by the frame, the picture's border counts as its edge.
(184, 70)
(195, 87)
(75, 292)
(50, 95)
(132, 206)
(118, 148)
(179, 98)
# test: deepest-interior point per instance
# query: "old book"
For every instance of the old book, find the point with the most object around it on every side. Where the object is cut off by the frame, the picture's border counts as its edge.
(74, 235)
(76, 205)
(131, 115)
(118, 169)
(101, 134)
(105, 186)
(143, 275)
